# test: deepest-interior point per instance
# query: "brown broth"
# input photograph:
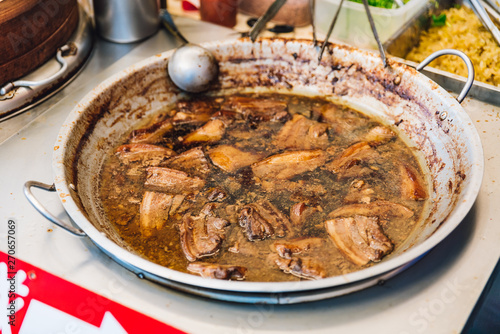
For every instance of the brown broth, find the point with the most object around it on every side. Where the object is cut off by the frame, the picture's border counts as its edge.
(122, 189)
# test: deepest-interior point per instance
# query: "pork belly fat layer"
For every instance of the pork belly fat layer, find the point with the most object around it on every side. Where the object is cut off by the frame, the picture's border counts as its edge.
(289, 164)
(172, 181)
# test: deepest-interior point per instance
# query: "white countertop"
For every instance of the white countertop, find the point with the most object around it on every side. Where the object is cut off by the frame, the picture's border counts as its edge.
(436, 295)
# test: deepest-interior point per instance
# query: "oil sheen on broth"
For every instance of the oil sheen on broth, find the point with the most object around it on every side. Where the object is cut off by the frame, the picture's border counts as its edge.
(262, 187)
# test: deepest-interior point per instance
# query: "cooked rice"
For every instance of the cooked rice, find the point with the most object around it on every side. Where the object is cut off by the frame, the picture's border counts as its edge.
(463, 31)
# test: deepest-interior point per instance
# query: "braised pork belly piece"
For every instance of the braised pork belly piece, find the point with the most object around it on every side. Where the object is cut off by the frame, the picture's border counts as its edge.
(351, 162)
(359, 192)
(258, 111)
(145, 154)
(299, 189)
(287, 248)
(303, 134)
(193, 112)
(300, 213)
(216, 194)
(382, 209)
(359, 238)
(211, 132)
(202, 235)
(302, 267)
(156, 208)
(342, 123)
(411, 185)
(263, 187)
(217, 271)
(289, 164)
(196, 106)
(172, 181)
(379, 135)
(262, 220)
(192, 162)
(230, 159)
(182, 118)
(153, 133)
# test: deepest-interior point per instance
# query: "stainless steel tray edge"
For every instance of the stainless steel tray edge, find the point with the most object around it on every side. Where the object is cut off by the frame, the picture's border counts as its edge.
(401, 43)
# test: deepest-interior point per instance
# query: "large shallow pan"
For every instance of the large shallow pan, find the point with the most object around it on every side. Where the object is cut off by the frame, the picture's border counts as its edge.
(425, 113)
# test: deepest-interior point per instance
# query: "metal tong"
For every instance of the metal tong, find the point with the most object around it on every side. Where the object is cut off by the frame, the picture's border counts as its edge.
(492, 9)
(372, 25)
(266, 17)
(485, 19)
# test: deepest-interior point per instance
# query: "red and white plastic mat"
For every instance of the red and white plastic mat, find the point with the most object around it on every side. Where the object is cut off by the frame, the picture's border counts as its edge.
(36, 302)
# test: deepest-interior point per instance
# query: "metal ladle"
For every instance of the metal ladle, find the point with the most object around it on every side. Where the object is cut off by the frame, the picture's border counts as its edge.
(191, 67)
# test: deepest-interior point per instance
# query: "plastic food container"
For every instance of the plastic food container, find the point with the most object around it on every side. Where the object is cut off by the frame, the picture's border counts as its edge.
(352, 25)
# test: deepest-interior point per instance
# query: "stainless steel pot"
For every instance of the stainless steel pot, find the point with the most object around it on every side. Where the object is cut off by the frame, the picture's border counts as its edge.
(431, 119)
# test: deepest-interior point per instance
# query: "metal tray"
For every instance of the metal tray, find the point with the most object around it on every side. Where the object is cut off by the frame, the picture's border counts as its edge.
(404, 40)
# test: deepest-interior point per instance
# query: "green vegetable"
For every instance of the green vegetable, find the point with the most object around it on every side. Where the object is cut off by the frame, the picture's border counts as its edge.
(378, 3)
(438, 21)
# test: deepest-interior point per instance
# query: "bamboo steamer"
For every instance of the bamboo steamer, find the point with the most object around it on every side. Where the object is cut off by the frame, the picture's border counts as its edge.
(32, 30)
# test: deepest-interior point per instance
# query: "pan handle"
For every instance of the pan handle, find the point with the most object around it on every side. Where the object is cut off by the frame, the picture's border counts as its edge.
(468, 63)
(40, 208)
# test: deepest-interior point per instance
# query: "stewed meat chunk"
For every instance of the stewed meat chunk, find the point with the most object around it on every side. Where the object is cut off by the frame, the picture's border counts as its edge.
(351, 162)
(379, 135)
(202, 235)
(381, 209)
(263, 220)
(191, 119)
(342, 123)
(195, 106)
(359, 192)
(289, 164)
(287, 248)
(359, 238)
(302, 133)
(216, 194)
(230, 159)
(218, 271)
(411, 185)
(192, 162)
(211, 132)
(300, 212)
(172, 181)
(153, 133)
(263, 110)
(156, 208)
(145, 154)
(302, 267)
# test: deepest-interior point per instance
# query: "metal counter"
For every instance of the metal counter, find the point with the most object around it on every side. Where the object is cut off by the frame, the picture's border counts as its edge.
(436, 295)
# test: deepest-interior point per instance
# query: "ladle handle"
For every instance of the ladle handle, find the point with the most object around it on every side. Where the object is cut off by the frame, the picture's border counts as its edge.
(468, 63)
(40, 208)
(168, 23)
